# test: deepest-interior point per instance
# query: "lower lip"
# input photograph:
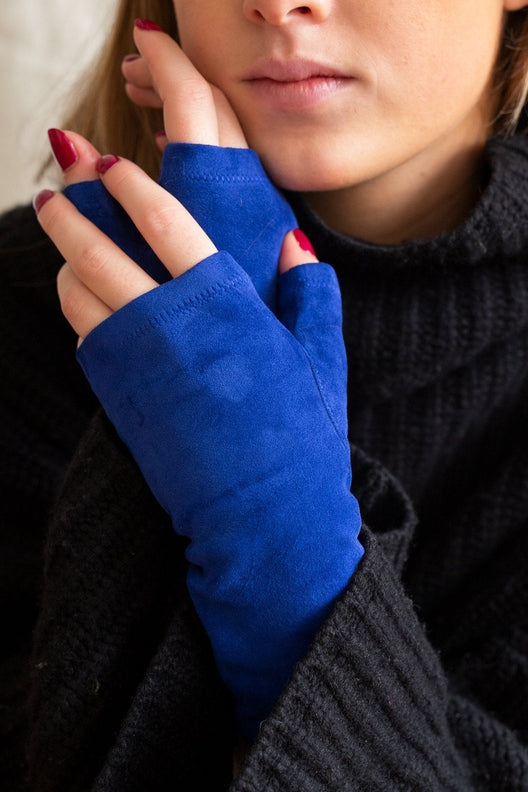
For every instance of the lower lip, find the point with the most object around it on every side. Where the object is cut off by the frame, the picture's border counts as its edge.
(298, 95)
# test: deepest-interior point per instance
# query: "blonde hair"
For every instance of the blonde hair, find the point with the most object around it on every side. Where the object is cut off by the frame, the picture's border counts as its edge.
(102, 111)
(511, 76)
(104, 114)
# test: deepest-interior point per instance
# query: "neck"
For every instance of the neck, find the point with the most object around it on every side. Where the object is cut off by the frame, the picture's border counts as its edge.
(409, 202)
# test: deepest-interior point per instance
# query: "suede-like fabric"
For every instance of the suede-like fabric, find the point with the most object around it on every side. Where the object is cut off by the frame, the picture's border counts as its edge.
(238, 423)
(226, 190)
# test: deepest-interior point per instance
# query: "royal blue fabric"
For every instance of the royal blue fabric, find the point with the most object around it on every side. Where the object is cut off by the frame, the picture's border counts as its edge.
(226, 190)
(236, 419)
(238, 423)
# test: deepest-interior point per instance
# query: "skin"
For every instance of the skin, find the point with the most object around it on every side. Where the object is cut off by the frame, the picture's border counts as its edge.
(98, 278)
(396, 154)
(393, 153)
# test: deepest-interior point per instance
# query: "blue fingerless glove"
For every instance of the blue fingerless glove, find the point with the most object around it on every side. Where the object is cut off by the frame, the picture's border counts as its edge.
(226, 190)
(238, 423)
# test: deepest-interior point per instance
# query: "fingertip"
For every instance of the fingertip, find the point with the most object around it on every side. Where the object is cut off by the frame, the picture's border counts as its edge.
(127, 63)
(147, 24)
(42, 198)
(142, 27)
(161, 140)
(62, 148)
(74, 154)
(106, 162)
(296, 250)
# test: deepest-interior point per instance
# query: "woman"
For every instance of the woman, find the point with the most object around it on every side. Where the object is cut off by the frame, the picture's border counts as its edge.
(415, 677)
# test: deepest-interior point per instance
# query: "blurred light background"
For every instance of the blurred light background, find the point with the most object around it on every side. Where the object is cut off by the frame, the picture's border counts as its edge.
(44, 47)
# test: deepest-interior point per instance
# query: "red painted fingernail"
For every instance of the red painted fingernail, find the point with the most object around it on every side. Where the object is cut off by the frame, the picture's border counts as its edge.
(303, 241)
(41, 198)
(63, 149)
(105, 163)
(132, 57)
(146, 24)
(160, 133)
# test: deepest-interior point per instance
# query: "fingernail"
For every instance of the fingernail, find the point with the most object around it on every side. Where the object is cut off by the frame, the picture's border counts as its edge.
(303, 241)
(105, 163)
(160, 133)
(62, 148)
(132, 57)
(146, 24)
(41, 198)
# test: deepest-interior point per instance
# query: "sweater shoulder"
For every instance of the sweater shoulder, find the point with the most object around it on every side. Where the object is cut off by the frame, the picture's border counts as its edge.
(44, 400)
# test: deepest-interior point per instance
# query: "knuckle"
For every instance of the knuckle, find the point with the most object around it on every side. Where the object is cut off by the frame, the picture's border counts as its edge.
(91, 262)
(157, 220)
(197, 91)
(192, 93)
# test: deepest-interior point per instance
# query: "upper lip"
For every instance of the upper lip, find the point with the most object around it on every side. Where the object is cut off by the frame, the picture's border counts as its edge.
(294, 70)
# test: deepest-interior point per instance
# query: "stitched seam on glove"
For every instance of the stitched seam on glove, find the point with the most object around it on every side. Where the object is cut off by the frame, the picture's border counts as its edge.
(188, 306)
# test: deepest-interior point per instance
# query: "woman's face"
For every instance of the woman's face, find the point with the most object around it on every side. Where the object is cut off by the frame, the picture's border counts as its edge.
(335, 93)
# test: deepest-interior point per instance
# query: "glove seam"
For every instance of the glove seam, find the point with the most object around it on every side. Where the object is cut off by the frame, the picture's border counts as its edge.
(223, 179)
(186, 306)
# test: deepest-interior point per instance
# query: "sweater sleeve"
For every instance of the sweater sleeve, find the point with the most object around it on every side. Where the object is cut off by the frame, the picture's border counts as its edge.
(374, 706)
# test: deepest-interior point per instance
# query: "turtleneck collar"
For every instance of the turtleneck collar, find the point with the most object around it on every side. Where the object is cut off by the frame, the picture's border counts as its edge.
(435, 330)
(495, 226)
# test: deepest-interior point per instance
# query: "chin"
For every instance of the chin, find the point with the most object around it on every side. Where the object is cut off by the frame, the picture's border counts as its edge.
(297, 177)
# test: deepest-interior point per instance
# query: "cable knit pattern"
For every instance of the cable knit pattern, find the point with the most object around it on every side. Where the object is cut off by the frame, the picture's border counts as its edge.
(418, 681)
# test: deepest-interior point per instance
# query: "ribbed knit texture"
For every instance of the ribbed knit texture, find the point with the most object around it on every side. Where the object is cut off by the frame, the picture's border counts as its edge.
(419, 679)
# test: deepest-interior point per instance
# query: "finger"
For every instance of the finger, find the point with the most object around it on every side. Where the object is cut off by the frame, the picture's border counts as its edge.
(296, 249)
(161, 140)
(188, 106)
(83, 310)
(143, 97)
(140, 90)
(75, 156)
(168, 228)
(96, 261)
(194, 110)
(310, 308)
(229, 130)
(139, 85)
(135, 70)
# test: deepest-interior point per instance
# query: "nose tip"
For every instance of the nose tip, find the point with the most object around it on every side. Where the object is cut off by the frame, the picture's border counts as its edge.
(279, 12)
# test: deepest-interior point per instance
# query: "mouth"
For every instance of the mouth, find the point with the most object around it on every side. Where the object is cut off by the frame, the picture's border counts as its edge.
(295, 84)
(297, 70)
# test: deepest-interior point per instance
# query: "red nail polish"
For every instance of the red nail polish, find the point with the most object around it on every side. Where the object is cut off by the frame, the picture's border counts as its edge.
(105, 163)
(303, 241)
(41, 198)
(63, 149)
(132, 57)
(146, 24)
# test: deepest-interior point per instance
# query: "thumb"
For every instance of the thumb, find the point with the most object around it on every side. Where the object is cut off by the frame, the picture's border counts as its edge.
(296, 249)
(310, 308)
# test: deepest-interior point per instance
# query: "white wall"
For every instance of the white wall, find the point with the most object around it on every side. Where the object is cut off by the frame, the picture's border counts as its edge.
(44, 45)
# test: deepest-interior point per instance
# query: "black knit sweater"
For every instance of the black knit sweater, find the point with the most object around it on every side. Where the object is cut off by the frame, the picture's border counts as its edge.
(419, 678)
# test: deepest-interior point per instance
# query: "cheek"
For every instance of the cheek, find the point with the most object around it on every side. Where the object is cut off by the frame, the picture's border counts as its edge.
(204, 34)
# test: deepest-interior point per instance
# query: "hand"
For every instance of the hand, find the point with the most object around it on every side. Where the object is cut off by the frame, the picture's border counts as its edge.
(194, 111)
(98, 277)
(225, 189)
